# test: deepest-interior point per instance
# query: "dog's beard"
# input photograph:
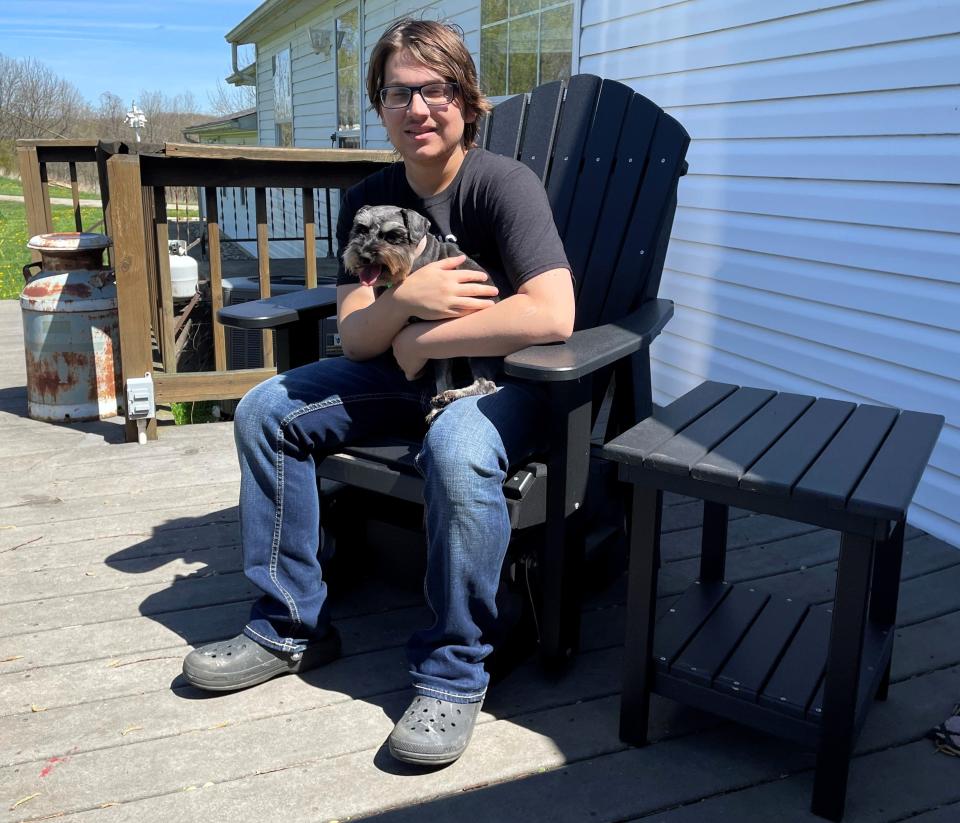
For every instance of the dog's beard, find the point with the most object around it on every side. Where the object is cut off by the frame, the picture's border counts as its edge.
(390, 266)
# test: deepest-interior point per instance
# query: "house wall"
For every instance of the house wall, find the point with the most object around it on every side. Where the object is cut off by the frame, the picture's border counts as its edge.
(817, 237)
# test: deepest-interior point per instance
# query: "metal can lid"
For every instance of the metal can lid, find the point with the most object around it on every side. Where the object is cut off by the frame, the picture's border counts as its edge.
(69, 241)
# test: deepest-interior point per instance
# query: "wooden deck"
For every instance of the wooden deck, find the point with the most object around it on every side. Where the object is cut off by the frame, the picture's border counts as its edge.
(117, 559)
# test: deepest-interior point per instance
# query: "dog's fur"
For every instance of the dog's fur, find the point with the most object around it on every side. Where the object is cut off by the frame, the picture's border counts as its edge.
(386, 245)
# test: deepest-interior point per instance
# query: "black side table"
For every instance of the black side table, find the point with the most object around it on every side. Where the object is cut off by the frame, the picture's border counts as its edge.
(806, 673)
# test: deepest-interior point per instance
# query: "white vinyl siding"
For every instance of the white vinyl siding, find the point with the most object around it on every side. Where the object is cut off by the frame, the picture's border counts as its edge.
(817, 236)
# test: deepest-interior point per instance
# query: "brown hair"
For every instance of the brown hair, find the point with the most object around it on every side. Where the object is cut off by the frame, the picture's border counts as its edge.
(438, 46)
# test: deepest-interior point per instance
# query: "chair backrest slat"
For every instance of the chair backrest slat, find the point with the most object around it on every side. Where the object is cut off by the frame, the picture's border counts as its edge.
(505, 128)
(541, 127)
(575, 121)
(650, 224)
(593, 182)
(610, 236)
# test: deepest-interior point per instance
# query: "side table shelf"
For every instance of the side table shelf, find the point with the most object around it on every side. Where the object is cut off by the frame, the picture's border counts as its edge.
(757, 659)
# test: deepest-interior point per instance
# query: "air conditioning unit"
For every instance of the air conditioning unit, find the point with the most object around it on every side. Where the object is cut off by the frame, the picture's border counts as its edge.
(245, 346)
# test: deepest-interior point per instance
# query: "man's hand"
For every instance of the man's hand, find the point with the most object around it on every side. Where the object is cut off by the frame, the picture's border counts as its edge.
(406, 351)
(440, 291)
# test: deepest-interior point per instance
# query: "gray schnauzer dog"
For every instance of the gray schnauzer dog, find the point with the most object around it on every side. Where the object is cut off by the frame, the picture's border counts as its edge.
(386, 245)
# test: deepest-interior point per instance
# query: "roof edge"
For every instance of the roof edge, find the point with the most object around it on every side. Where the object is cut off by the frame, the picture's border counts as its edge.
(271, 14)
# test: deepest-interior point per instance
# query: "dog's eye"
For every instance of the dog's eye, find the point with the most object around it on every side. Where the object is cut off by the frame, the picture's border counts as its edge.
(396, 237)
(359, 228)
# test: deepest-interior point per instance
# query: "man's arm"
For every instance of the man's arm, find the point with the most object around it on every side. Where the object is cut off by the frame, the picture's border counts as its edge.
(542, 311)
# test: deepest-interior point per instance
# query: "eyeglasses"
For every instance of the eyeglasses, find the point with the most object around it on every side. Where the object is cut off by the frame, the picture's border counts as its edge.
(433, 94)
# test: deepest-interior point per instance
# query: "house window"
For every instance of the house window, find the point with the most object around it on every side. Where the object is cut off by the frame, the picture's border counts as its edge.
(524, 43)
(282, 99)
(348, 79)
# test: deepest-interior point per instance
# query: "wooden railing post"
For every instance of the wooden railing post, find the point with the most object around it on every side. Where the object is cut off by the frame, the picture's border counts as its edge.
(33, 193)
(216, 278)
(130, 259)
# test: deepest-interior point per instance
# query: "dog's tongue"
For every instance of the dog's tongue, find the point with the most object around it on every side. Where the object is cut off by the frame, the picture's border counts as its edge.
(370, 274)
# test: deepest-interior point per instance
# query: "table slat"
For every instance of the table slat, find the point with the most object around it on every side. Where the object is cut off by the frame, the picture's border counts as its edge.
(835, 473)
(635, 444)
(728, 462)
(714, 643)
(888, 485)
(748, 669)
(693, 442)
(788, 458)
(794, 683)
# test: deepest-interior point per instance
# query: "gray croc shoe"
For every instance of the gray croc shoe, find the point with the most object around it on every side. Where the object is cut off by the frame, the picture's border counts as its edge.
(240, 662)
(433, 732)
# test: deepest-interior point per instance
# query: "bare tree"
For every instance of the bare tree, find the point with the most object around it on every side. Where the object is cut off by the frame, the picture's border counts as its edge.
(231, 99)
(109, 118)
(35, 102)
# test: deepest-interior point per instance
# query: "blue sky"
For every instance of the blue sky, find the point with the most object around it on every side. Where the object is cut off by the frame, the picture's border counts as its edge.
(125, 46)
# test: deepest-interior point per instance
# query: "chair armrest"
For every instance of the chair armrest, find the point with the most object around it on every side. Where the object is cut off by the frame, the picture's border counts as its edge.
(282, 310)
(591, 349)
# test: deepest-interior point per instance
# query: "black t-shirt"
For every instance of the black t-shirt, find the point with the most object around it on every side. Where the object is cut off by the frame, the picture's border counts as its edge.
(495, 210)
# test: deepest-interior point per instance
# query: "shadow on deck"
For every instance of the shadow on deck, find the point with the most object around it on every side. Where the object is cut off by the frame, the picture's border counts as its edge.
(117, 559)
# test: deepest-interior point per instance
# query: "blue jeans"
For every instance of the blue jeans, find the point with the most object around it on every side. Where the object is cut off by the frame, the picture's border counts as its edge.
(285, 424)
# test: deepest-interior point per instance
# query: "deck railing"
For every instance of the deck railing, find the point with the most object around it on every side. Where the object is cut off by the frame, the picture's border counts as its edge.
(137, 184)
(34, 158)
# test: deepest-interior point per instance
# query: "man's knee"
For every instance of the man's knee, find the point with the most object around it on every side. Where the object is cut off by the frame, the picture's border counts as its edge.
(463, 441)
(260, 410)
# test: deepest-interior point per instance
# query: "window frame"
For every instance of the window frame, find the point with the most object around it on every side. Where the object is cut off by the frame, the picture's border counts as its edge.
(351, 135)
(545, 6)
(278, 122)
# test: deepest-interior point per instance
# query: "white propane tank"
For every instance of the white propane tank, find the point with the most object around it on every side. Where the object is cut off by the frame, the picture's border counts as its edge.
(184, 272)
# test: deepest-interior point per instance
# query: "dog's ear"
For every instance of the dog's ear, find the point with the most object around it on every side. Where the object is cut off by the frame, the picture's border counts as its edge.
(417, 225)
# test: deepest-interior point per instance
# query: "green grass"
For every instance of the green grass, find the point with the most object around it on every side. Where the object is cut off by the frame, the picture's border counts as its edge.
(194, 411)
(14, 254)
(10, 186)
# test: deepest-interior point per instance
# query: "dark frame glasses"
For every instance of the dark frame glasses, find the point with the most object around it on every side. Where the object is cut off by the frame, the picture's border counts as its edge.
(433, 94)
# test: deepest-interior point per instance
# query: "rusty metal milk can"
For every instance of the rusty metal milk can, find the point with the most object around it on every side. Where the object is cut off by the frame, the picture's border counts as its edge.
(71, 329)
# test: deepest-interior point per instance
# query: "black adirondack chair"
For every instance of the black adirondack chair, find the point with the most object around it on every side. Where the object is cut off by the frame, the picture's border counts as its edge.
(610, 161)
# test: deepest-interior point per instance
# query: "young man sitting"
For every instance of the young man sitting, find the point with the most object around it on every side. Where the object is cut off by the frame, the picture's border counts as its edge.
(423, 84)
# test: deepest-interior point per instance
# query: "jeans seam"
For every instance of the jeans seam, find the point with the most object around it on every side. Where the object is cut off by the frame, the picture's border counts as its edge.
(285, 646)
(480, 695)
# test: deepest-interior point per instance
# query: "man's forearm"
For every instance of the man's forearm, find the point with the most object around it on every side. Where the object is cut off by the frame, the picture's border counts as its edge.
(368, 330)
(506, 327)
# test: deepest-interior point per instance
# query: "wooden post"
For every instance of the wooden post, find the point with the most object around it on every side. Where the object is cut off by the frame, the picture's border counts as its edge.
(216, 279)
(263, 258)
(150, 243)
(104, 152)
(75, 192)
(309, 238)
(32, 193)
(130, 254)
(165, 287)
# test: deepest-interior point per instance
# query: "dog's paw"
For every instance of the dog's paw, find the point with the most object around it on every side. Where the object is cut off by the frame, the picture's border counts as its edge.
(484, 386)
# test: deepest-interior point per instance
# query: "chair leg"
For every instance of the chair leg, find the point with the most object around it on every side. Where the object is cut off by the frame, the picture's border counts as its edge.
(713, 542)
(646, 513)
(887, 564)
(842, 676)
(561, 561)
